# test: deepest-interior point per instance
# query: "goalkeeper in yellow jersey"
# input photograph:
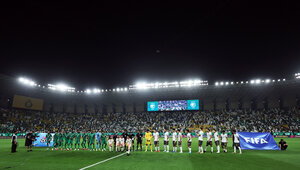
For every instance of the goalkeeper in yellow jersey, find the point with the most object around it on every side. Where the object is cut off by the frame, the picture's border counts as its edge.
(148, 136)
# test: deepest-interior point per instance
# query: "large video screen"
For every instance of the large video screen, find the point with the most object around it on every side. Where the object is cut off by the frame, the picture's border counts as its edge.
(173, 105)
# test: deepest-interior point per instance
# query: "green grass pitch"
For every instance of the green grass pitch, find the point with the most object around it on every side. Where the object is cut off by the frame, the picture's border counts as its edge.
(40, 158)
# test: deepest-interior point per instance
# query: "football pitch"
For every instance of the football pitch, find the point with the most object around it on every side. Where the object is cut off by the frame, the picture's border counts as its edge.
(40, 158)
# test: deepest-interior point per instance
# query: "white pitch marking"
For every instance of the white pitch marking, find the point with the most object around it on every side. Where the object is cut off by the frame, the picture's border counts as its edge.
(102, 161)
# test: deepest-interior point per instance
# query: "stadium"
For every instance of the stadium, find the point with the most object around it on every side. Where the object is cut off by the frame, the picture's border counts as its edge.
(150, 85)
(259, 105)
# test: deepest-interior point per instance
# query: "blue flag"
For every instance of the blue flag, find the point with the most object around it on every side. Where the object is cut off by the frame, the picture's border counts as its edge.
(41, 140)
(257, 141)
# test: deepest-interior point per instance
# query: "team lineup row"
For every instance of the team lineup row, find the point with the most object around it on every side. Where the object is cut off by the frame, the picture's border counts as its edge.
(125, 141)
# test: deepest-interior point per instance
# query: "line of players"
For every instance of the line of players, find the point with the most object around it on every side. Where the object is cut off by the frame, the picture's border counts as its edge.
(65, 140)
(177, 141)
(121, 142)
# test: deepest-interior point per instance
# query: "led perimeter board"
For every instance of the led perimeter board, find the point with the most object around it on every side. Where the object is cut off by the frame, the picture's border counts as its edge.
(173, 105)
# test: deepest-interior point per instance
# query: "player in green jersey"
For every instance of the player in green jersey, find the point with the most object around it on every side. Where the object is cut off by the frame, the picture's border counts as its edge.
(56, 141)
(92, 141)
(71, 139)
(77, 140)
(83, 143)
(48, 139)
(61, 140)
(66, 138)
(88, 137)
(103, 142)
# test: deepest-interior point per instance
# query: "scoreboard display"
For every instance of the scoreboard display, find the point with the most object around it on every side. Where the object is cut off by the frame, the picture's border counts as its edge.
(173, 105)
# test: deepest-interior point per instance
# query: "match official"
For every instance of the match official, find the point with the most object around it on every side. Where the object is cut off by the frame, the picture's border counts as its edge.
(14, 142)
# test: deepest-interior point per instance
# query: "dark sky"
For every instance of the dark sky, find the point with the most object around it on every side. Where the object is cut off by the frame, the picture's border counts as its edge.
(114, 43)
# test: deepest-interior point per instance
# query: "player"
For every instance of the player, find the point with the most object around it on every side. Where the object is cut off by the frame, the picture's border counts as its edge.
(179, 140)
(236, 142)
(189, 141)
(166, 141)
(209, 141)
(110, 143)
(129, 143)
(71, 140)
(156, 140)
(148, 137)
(56, 141)
(103, 142)
(66, 139)
(77, 140)
(217, 142)
(98, 140)
(115, 140)
(124, 134)
(122, 143)
(48, 139)
(61, 140)
(92, 141)
(224, 141)
(174, 137)
(200, 141)
(84, 138)
(139, 141)
(118, 143)
(132, 137)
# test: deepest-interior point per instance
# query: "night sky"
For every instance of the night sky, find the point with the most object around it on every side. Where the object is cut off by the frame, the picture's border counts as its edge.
(114, 44)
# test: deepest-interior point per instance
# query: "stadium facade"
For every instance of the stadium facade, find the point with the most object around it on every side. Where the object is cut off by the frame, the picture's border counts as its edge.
(283, 94)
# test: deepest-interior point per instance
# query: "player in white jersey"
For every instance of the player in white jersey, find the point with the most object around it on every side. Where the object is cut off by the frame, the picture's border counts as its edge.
(200, 141)
(128, 143)
(118, 143)
(224, 141)
(236, 142)
(209, 141)
(122, 143)
(174, 137)
(189, 141)
(217, 142)
(179, 140)
(156, 140)
(166, 141)
(110, 143)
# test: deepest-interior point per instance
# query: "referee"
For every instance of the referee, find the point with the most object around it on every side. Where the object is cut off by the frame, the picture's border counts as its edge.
(14, 142)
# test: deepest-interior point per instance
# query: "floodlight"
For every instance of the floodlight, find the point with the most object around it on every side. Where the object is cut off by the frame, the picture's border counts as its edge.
(125, 89)
(217, 83)
(242, 82)
(257, 81)
(141, 85)
(222, 83)
(114, 89)
(283, 79)
(95, 91)
(88, 91)
(21, 79)
(226, 83)
(252, 82)
(267, 80)
(278, 80)
(118, 89)
(273, 80)
(232, 83)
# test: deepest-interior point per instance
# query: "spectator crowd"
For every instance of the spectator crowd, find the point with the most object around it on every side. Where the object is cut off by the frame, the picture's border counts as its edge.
(273, 120)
